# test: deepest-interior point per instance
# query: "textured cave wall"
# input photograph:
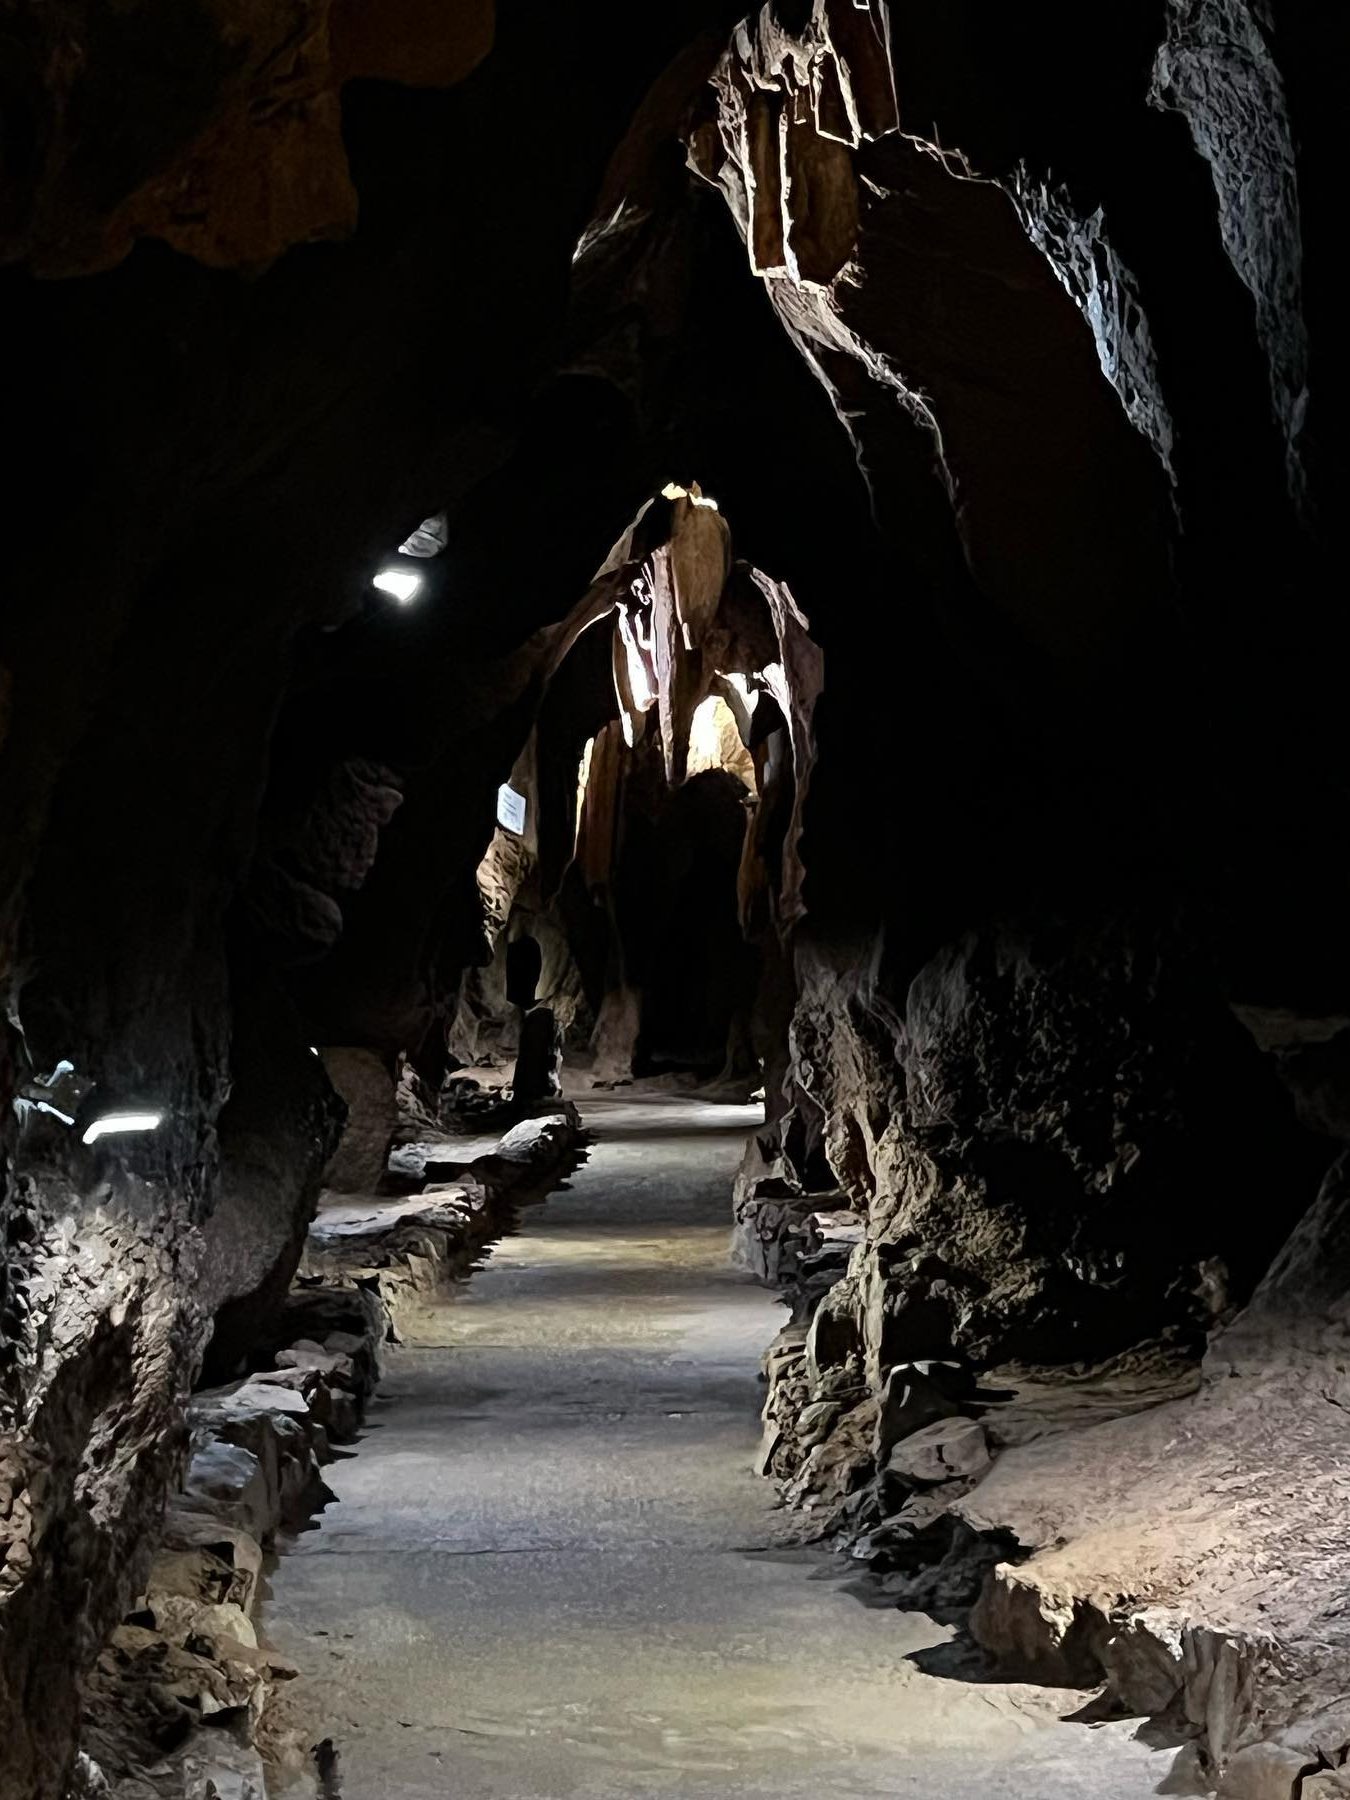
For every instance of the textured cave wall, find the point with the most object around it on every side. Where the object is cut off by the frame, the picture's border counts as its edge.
(675, 913)
(657, 928)
(1065, 1145)
(217, 130)
(1064, 281)
(197, 765)
(1045, 344)
(1061, 325)
(1058, 279)
(658, 852)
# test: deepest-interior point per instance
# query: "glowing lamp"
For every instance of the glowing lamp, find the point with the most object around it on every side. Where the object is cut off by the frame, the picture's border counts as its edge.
(112, 1124)
(399, 584)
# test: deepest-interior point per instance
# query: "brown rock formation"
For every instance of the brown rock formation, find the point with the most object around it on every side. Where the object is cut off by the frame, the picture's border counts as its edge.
(217, 128)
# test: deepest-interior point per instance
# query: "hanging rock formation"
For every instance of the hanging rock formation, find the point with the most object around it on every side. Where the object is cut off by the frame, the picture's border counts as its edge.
(1069, 345)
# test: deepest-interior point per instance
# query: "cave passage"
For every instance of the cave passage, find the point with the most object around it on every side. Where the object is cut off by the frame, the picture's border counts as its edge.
(551, 1570)
(571, 567)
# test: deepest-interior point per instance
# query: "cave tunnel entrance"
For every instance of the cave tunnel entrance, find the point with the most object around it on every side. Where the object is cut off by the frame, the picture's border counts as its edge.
(645, 840)
(689, 958)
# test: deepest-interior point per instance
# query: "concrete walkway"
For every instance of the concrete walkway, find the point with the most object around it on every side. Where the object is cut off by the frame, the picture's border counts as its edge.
(551, 1573)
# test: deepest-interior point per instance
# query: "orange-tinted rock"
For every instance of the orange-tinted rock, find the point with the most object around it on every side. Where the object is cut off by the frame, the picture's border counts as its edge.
(216, 128)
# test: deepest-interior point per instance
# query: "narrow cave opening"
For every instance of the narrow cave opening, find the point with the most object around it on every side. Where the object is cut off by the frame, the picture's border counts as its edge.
(671, 911)
(696, 974)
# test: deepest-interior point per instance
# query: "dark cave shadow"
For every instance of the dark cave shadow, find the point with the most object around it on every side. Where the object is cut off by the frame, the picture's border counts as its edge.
(802, 1556)
(961, 1659)
(327, 1767)
(1187, 1776)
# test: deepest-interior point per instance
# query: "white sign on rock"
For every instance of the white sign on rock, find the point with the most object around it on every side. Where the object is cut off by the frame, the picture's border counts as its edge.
(510, 808)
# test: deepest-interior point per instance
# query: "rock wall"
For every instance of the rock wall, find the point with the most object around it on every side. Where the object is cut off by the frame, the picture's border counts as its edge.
(235, 254)
(366, 1089)
(1070, 1164)
(1055, 1133)
(1056, 299)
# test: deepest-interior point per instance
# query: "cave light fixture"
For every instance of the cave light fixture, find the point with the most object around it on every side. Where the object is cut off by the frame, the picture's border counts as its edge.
(402, 585)
(114, 1124)
(47, 1107)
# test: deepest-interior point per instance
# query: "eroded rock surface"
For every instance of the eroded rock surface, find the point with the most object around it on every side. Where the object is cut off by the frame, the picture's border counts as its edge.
(179, 1695)
(1198, 1569)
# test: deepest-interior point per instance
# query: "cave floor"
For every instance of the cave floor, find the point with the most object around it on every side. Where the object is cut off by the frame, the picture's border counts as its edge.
(551, 1571)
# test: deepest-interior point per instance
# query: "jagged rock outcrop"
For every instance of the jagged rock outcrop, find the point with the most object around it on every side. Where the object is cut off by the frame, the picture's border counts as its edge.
(1189, 1555)
(843, 215)
(178, 1693)
(181, 1693)
(1074, 1218)
(366, 1089)
(276, 1133)
(1091, 1211)
(1017, 1216)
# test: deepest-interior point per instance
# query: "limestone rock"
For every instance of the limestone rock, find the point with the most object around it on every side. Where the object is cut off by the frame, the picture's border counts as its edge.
(367, 1089)
(533, 1142)
(234, 1482)
(277, 1131)
(946, 1450)
(1327, 1784)
(223, 1771)
(1264, 1772)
